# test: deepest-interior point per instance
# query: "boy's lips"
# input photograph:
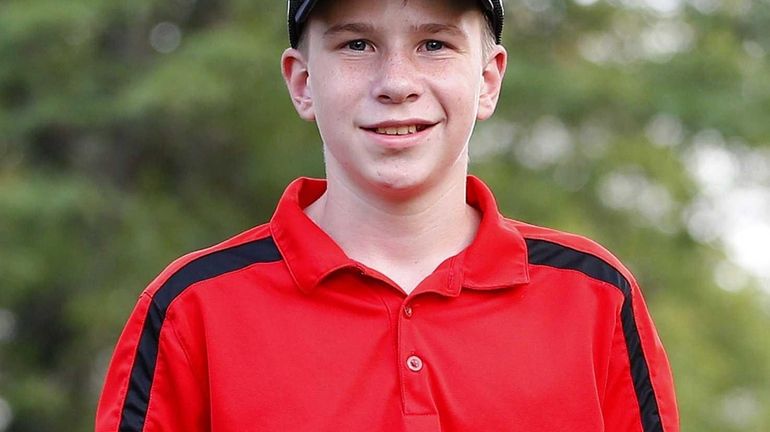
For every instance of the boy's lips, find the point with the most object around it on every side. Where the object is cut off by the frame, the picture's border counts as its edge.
(400, 137)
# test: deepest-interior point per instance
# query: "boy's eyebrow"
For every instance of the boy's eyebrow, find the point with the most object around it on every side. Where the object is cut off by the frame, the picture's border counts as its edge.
(439, 28)
(364, 28)
(349, 28)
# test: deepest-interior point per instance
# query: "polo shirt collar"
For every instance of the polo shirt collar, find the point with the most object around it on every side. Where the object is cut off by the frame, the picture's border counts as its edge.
(497, 258)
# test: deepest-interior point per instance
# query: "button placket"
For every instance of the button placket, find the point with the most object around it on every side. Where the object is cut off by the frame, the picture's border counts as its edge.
(413, 365)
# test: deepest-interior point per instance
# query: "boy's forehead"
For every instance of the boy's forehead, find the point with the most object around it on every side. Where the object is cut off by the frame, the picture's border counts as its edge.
(299, 12)
(342, 12)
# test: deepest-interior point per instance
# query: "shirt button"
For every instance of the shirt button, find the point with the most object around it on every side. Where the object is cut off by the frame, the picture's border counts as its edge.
(408, 311)
(414, 363)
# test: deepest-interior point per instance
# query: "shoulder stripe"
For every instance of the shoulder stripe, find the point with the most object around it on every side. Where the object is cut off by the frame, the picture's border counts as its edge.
(542, 252)
(205, 267)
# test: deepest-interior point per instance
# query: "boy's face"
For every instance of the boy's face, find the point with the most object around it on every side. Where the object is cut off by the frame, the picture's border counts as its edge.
(395, 87)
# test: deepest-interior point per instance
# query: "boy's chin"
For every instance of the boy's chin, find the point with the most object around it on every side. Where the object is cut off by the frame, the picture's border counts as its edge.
(400, 186)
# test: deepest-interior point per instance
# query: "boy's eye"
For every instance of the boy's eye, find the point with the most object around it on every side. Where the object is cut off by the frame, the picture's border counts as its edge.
(357, 45)
(434, 45)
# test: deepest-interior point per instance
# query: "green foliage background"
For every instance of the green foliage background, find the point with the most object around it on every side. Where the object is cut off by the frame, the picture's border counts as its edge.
(116, 158)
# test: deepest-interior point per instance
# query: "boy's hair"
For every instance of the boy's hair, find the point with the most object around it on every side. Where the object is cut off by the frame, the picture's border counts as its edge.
(299, 11)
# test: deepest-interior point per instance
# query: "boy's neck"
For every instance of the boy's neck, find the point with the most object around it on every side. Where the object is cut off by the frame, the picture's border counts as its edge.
(403, 239)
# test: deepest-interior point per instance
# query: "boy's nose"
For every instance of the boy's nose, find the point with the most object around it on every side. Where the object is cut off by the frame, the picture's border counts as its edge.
(397, 81)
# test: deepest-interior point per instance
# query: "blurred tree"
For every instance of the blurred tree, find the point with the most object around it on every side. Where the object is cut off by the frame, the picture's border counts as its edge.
(133, 132)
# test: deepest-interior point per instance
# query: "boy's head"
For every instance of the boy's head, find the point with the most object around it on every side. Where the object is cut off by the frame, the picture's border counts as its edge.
(395, 87)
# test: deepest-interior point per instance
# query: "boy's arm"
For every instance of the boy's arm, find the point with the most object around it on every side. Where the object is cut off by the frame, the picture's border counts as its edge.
(640, 389)
(151, 393)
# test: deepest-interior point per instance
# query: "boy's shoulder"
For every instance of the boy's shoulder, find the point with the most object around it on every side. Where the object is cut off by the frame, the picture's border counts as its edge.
(552, 245)
(249, 247)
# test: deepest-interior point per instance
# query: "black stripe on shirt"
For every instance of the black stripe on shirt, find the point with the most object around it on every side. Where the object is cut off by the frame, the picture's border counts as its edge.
(550, 254)
(205, 267)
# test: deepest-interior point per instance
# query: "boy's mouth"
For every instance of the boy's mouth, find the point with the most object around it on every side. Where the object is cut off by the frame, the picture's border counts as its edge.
(399, 130)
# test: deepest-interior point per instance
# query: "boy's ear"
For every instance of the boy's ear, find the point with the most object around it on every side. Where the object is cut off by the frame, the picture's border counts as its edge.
(492, 81)
(295, 74)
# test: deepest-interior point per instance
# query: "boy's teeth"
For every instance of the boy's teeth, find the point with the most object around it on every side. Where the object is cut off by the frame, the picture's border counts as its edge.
(400, 130)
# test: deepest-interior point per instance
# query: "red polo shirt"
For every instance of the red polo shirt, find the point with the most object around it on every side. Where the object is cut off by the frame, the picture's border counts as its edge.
(276, 329)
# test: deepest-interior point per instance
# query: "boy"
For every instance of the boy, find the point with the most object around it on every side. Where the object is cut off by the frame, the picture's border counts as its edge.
(392, 296)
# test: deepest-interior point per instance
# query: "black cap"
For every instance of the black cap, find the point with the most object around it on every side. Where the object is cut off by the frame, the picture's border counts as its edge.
(299, 11)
